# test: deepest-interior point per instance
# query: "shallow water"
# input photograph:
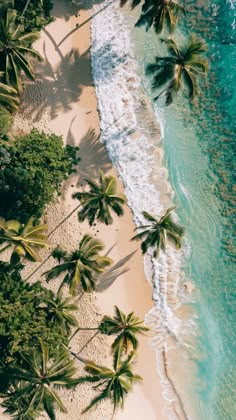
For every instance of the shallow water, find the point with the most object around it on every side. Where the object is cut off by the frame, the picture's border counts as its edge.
(198, 144)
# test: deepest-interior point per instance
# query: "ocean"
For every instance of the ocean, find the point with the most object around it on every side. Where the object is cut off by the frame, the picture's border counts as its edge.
(196, 174)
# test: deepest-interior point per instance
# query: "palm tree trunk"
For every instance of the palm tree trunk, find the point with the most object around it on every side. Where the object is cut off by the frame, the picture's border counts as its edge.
(50, 233)
(78, 357)
(22, 14)
(82, 329)
(63, 220)
(5, 247)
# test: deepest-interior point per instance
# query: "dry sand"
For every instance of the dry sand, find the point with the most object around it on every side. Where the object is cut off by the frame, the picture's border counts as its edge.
(63, 101)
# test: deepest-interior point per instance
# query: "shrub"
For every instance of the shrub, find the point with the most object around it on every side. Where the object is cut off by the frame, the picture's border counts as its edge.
(37, 14)
(6, 120)
(23, 315)
(32, 170)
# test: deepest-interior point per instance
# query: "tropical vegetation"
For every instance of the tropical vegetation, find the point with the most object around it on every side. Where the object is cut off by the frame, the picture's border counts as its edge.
(32, 171)
(60, 311)
(8, 96)
(25, 315)
(160, 14)
(126, 328)
(36, 15)
(34, 381)
(16, 50)
(100, 200)
(26, 239)
(181, 69)
(113, 384)
(156, 234)
(81, 267)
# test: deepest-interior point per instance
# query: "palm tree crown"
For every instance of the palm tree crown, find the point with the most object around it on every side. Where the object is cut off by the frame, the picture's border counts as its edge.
(8, 96)
(181, 68)
(159, 231)
(34, 382)
(114, 384)
(60, 310)
(27, 239)
(100, 200)
(81, 266)
(15, 46)
(160, 13)
(125, 327)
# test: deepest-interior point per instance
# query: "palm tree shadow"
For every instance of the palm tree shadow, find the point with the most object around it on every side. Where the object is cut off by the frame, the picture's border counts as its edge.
(66, 8)
(106, 279)
(60, 86)
(93, 155)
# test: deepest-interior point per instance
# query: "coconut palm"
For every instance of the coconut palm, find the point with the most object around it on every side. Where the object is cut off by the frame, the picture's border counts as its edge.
(159, 231)
(113, 384)
(8, 96)
(34, 381)
(160, 14)
(181, 68)
(100, 200)
(124, 327)
(15, 47)
(60, 310)
(26, 239)
(81, 266)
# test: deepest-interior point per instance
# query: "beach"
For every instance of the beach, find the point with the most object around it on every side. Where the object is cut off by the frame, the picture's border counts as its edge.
(63, 101)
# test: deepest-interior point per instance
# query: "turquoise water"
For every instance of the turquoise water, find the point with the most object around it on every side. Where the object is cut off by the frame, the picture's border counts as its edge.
(199, 151)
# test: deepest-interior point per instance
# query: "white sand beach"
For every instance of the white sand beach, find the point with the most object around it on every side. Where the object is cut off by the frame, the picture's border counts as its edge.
(63, 101)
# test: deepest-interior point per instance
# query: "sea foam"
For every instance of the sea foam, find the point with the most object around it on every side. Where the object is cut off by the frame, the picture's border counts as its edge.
(133, 141)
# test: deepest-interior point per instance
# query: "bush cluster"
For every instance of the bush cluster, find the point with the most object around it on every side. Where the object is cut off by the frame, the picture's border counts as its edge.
(32, 170)
(37, 14)
(23, 317)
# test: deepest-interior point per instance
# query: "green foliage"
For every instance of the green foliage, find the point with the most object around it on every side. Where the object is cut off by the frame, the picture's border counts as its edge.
(24, 316)
(100, 200)
(9, 98)
(180, 70)
(34, 381)
(158, 232)
(37, 14)
(81, 266)
(32, 170)
(113, 384)
(125, 328)
(16, 50)
(6, 120)
(160, 14)
(26, 239)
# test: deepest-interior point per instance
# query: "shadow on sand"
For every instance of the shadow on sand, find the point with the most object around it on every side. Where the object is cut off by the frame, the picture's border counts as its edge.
(60, 86)
(109, 277)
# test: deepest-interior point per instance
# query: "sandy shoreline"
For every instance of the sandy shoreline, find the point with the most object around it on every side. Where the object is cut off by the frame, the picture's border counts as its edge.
(63, 101)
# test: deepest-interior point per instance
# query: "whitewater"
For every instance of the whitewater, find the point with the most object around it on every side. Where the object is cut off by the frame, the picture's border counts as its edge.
(133, 139)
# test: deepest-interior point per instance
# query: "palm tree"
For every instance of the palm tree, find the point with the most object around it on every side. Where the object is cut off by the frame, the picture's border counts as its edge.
(160, 13)
(125, 327)
(59, 310)
(8, 96)
(15, 47)
(180, 69)
(113, 384)
(27, 239)
(159, 231)
(100, 200)
(81, 266)
(34, 381)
